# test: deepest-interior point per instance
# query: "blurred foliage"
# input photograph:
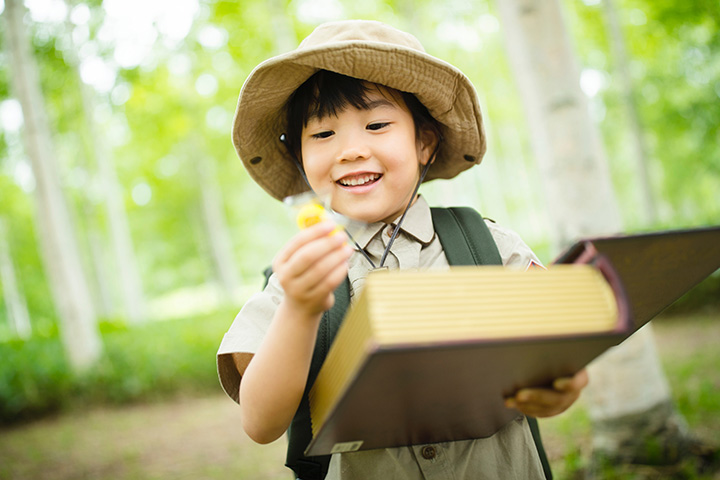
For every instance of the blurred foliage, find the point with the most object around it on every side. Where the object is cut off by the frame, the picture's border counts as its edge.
(166, 115)
(146, 363)
(675, 67)
(704, 297)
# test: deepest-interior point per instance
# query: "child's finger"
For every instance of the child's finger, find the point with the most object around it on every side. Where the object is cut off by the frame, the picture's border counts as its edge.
(545, 402)
(329, 282)
(303, 237)
(539, 396)
(300, 254)
(330, 270)
(308, 257)
(575, 383)
(561, 388)
(304, 277)
(314, 287)
(537, 402)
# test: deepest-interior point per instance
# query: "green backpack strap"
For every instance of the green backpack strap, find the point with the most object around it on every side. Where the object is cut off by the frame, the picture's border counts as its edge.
(467, 240)
(464, 236)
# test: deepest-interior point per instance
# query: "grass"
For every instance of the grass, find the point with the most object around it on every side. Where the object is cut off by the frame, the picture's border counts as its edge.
(197, 435)
(148, 362)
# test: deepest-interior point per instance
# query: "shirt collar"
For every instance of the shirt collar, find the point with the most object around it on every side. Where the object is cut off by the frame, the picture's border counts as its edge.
(417, 224)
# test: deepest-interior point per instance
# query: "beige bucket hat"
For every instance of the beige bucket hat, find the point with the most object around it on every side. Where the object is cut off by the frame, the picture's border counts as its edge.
(370, 51)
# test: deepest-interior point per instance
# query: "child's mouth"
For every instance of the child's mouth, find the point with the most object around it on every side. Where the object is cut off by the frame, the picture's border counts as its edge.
(361, 180)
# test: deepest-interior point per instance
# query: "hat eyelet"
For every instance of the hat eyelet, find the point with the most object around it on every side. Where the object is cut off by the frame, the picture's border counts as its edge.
(255, 160)
(469, 158)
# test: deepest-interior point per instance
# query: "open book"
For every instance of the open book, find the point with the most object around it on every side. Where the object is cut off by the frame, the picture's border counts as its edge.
(429, 356)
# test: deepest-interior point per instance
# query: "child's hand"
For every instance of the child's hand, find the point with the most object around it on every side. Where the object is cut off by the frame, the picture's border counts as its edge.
(547, 402)
(311, 266)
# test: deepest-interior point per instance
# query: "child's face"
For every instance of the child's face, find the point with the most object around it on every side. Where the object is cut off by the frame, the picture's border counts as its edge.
(367, 161)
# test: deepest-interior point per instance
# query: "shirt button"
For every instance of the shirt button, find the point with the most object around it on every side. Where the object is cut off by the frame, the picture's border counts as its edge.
(429, 452)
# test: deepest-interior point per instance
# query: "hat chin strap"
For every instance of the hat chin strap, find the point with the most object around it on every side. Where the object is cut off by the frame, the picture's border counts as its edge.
(409, 204)
(284, 141)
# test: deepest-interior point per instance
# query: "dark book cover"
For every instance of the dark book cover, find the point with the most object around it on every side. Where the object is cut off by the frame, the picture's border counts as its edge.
(408, 394)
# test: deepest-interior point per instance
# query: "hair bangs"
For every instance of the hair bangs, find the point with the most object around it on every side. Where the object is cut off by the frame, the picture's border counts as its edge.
(324, 93)
(338, 91)
(328, 93)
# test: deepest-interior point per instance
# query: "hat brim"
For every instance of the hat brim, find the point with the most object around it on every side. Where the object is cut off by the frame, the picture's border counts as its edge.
(446, 92)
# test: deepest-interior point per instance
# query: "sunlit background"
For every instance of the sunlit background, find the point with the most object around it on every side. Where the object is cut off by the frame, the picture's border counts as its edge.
(140, 97)
(163, 78)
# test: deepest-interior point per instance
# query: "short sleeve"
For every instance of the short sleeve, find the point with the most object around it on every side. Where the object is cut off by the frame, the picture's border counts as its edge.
(513, 250)
(246, 334)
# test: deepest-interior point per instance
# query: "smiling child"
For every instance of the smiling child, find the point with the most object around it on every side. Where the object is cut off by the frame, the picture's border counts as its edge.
(362, 115)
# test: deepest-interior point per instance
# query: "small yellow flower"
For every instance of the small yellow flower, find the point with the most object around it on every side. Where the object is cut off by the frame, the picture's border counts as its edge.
(311, 214)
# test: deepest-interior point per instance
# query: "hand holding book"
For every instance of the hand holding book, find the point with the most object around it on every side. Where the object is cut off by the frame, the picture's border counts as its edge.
(548, 402)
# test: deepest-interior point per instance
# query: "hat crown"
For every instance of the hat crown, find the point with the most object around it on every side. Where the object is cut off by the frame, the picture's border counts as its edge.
(367, 31)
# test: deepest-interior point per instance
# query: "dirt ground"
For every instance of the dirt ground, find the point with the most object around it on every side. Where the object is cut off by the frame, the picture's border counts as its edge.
(201, 438)
(190, 438)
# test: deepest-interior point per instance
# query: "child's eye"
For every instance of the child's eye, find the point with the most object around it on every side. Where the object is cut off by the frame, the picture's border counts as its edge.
(377, 126)
(324, 134)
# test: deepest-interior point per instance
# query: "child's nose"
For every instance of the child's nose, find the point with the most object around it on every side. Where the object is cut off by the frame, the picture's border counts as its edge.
(353, 148)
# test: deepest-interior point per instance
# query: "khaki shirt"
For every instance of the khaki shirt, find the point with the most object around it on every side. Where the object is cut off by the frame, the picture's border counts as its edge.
(509, 454)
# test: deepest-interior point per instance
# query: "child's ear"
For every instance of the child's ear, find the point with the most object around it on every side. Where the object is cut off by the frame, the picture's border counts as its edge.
(427, 144)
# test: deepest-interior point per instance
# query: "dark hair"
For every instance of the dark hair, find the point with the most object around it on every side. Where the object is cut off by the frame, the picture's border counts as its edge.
(328, 93)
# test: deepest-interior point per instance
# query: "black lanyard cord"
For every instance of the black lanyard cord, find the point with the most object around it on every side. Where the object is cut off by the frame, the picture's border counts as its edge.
(412, 199)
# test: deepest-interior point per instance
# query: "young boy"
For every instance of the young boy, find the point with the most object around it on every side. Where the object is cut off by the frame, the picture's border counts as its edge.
(362, 115)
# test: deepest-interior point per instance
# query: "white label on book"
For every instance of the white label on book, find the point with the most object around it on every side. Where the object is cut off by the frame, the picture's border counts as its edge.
(347, 447)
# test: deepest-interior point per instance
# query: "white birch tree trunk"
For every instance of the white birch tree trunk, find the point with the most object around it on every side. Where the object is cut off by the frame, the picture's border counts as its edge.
(14, 300)
(102, 280)
(59, 247)
(580, 198)
(566, 143)
(129, 280)
(128, 275)
(218, 233)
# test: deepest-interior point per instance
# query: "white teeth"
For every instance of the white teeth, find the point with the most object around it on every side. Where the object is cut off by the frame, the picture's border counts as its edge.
(359, 180)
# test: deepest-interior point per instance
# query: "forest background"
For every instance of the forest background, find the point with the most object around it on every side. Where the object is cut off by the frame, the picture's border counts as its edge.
(172, 235)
